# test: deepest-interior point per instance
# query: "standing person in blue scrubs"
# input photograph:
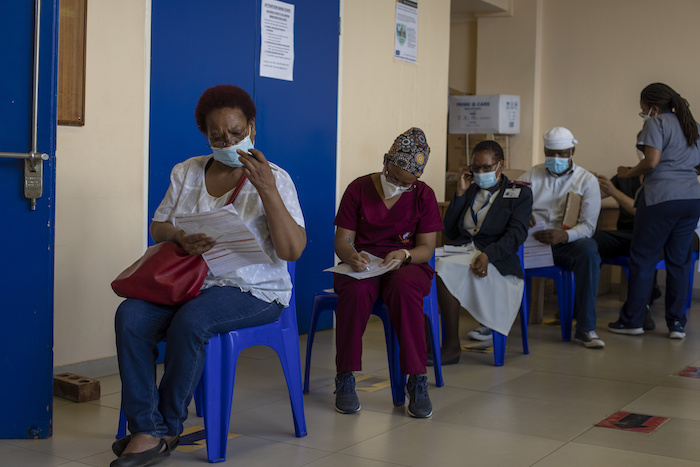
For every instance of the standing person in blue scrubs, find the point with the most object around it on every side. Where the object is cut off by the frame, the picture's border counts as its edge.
(668, 207)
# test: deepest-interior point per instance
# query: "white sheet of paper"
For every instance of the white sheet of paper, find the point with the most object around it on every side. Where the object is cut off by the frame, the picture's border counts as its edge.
(235, 247)
(374, 268)
(537, 254)
(277, 40)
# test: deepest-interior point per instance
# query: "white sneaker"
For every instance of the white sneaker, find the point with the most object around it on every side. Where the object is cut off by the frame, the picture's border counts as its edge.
(589, 339)
(482, 333)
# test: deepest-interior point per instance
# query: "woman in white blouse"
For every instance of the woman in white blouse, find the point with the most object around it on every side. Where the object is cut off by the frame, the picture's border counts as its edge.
(249, 296)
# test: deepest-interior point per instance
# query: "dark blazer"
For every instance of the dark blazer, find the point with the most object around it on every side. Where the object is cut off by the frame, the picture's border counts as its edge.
(504, 229)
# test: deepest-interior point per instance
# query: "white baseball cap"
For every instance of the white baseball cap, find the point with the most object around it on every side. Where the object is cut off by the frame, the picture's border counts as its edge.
(558, 138)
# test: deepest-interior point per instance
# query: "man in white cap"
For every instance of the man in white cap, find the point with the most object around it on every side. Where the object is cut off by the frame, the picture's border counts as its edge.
(573, 249)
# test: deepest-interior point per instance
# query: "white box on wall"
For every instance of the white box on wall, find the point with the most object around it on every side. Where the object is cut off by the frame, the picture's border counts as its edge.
(498, 113)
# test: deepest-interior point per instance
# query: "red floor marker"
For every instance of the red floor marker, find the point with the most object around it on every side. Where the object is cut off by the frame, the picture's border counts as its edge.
(690, 372)
(632, 422)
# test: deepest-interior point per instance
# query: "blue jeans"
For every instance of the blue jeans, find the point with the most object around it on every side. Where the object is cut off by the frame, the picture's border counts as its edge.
(583, 259)
(140, 326)
(668, 226)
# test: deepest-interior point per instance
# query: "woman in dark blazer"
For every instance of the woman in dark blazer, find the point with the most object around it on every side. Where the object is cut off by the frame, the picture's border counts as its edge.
(489, 215)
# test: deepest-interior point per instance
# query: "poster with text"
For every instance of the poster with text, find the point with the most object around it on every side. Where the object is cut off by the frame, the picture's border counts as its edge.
(277, 40)
(406, 31)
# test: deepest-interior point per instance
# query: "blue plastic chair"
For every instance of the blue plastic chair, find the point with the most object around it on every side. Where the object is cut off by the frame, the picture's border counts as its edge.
(624, 263)
(499, 340)
(214, 392)
(327, 301)
(566, 287)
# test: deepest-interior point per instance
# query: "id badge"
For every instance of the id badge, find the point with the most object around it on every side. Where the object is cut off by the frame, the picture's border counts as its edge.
(512, 193)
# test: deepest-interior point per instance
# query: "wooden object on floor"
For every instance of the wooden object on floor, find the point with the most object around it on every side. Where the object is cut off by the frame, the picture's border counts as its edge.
(76, 388)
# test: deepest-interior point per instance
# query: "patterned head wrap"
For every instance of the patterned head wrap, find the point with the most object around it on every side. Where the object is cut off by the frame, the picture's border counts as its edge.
(409, 152)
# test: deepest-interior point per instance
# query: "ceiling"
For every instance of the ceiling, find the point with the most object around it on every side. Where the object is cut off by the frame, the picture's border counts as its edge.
(478, 6)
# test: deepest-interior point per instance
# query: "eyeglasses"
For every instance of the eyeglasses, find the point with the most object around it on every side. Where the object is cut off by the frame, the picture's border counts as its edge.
(234, 138)
(647, 114)
(483, 168)
(394, 181)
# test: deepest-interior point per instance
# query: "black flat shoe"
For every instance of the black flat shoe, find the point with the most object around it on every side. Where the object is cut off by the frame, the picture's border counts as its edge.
(451, 361)
(145, 458)
(119, 445)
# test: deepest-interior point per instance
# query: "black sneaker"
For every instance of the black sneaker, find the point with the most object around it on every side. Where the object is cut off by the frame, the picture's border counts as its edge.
(419, 405)
(346, 400)
(676, 331)
(618, 328)
(649, 324)
(589, 339)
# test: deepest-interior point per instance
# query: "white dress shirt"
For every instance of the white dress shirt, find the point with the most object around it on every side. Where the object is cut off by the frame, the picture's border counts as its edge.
(549, 198)
(188, 194)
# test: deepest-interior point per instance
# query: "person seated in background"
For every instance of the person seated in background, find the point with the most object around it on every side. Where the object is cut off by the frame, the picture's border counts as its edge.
(492, 214)
(612, 243)
(391, 215)
(573, 249)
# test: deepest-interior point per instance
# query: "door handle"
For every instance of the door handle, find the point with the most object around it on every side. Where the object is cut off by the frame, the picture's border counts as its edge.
(34, 160)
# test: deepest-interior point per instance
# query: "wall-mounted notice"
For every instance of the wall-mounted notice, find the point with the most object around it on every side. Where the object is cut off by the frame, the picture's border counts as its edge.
(406, 31)
(277, 40)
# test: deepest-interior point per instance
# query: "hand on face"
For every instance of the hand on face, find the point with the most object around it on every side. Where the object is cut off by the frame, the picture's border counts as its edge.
(465, 181)
(258, 170)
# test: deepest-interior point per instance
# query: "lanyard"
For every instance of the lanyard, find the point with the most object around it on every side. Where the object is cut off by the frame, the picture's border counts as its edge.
(494, 192)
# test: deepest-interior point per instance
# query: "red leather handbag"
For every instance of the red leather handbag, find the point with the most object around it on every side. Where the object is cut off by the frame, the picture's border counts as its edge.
(166, 274)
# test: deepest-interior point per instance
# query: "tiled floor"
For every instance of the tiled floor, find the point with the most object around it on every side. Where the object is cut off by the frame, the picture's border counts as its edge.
(537, 410)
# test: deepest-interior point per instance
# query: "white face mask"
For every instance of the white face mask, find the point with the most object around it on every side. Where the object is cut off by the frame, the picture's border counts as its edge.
(390, 190)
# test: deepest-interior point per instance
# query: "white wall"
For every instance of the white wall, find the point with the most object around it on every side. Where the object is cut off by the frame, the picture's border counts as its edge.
(100, 181)
(463, 35)
(381, 97)
(583, 64)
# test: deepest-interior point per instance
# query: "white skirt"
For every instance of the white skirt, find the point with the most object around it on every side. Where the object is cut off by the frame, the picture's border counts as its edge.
(493, 300)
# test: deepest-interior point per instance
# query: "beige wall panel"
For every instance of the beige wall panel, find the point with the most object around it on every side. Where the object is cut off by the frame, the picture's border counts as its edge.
(100, 183)
(381, 97)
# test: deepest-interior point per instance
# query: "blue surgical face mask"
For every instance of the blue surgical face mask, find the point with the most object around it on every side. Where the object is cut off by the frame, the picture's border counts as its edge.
(556, 165)
(229, 155)
(485, 180)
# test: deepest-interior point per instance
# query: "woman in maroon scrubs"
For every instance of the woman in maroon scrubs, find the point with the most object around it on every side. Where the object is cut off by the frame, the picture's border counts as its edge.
(393, 216)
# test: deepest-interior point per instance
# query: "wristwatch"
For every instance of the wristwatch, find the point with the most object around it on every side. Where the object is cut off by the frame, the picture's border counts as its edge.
(408, 257)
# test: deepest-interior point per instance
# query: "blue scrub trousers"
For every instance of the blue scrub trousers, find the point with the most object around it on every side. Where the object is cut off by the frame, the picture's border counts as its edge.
(668, 226)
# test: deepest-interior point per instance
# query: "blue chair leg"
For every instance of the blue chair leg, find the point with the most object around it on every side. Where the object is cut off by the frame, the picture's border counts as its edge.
(219, 376)
(199, 399)
(291, 365)
(321, 303)
(434, 320)
(499, 348)
(121, 429)
(525, 319)
(565, 297)
(397, 380)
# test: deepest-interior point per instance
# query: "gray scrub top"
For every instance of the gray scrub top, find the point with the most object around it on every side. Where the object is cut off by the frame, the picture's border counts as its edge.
(674, 178)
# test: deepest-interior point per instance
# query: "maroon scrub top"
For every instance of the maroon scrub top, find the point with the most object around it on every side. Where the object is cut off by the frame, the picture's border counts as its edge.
(380, 230)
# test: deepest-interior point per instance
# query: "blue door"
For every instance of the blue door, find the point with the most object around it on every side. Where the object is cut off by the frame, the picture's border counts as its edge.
(196, 45)
(27, 258)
